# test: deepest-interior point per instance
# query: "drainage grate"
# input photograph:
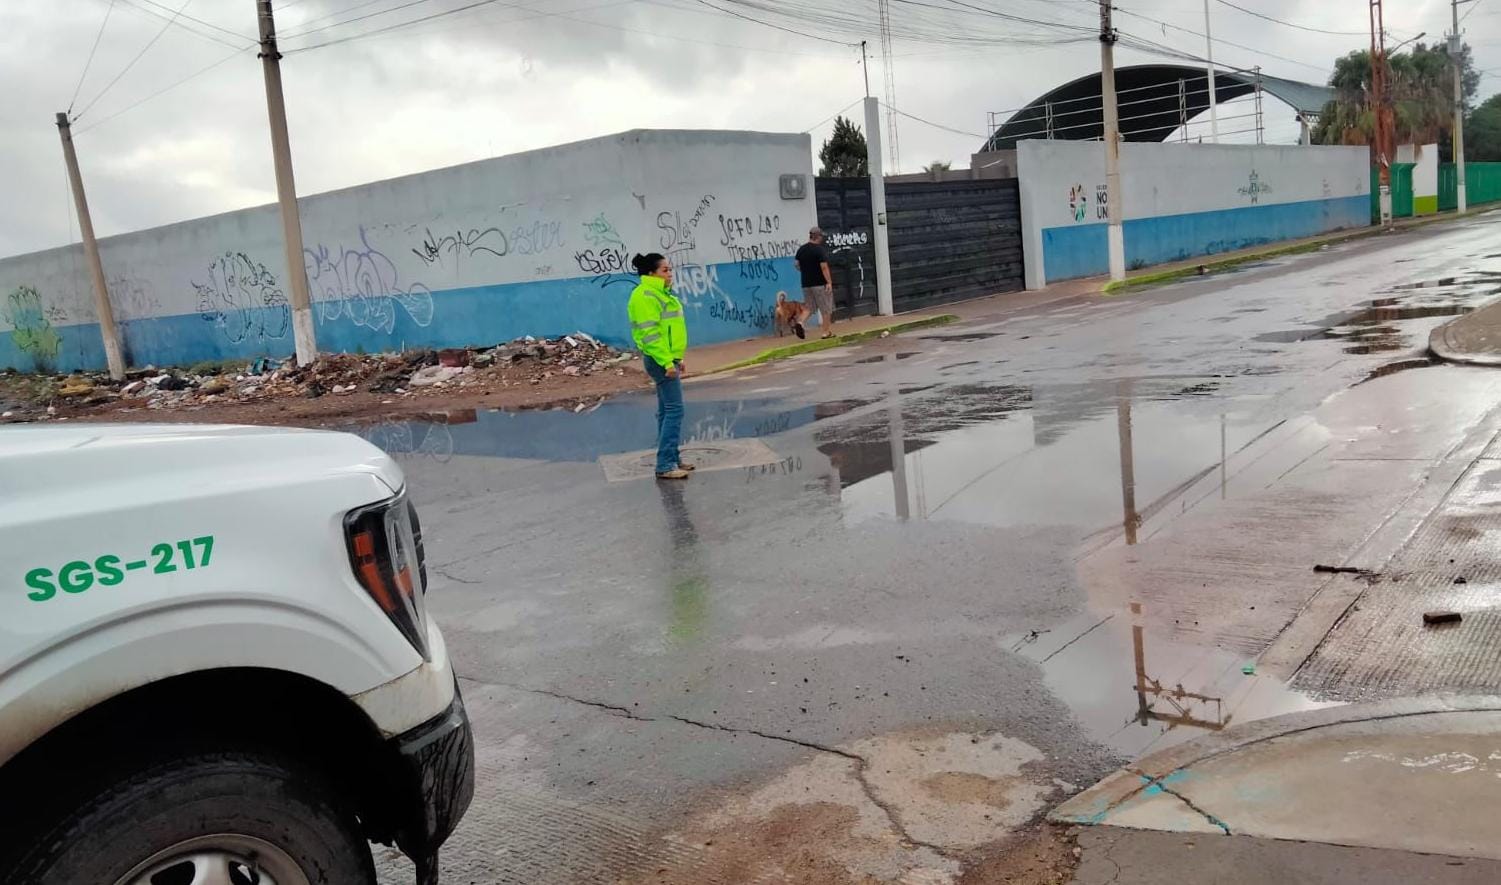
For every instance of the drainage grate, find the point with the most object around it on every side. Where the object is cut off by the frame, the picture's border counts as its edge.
(726, 454)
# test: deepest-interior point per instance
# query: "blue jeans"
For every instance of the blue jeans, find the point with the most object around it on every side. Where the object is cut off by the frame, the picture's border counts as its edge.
(669, 415)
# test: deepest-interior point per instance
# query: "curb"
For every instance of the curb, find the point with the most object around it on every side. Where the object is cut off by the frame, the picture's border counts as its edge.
(1092, 806)
(1210, 267)
(1440, 345)
(777, 353)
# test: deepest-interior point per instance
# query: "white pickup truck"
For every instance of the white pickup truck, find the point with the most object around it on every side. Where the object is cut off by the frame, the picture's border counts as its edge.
(215, 661)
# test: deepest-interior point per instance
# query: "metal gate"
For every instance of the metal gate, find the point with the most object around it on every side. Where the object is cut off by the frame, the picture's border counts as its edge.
(950, 240)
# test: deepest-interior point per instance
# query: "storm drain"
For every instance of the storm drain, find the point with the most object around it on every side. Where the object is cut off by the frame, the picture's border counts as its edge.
(726, 454)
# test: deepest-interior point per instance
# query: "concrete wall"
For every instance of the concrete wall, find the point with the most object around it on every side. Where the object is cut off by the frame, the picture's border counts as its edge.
(1424, 158)
(537, 243)
(1180, 201)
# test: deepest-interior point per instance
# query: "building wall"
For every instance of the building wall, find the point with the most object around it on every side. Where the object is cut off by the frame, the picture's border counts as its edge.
(537, 243)
(1180, 201)
(1424, 158)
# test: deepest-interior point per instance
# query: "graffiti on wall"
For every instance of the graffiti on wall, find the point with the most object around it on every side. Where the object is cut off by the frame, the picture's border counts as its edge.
(755, 238)
(495, 242)
(243, 300)
(31, 331)
(602, 234)
(361, 285)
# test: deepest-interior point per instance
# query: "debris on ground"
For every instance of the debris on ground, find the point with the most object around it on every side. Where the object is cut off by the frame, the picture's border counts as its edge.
(524, 361)
(1442, 617)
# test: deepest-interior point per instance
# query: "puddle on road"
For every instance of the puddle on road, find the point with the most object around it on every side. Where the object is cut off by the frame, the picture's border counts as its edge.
(1139, 693)
(611, 428)
(962, 336)
(1374, 329)
(886, 357)
(1030, 456)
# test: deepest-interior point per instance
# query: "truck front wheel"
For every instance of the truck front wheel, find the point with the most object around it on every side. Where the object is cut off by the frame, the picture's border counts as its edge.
(226, 818)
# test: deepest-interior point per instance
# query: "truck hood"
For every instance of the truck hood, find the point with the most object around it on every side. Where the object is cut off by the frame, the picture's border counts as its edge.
(133, 458)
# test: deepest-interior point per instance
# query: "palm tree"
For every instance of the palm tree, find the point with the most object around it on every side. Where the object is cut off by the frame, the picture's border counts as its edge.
(1422, 92)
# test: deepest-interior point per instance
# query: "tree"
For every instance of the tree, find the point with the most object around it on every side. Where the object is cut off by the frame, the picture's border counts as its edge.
(1483, 132)
(1422, 87)
(843, 155)
(938, 166)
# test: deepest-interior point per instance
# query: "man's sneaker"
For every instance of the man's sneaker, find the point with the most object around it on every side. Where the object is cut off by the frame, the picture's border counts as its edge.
(688, 467)
(678, 473)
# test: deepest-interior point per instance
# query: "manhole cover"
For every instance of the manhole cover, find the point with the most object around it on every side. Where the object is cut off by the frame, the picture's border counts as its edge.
(725, 454)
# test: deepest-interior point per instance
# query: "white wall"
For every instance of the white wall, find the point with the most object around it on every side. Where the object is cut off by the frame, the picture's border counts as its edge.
(534, 243)
(1180, 200)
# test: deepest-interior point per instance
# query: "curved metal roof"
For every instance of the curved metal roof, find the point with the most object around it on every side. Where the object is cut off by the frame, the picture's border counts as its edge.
(1154, 100)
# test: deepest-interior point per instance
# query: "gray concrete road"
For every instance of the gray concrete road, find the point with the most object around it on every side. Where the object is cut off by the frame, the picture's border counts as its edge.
(923, 589)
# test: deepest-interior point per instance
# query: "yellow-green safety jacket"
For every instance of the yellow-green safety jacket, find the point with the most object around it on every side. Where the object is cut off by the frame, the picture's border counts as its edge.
(657, 324)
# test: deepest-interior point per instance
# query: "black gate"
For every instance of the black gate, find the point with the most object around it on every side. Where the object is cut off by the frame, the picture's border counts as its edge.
(950, 240)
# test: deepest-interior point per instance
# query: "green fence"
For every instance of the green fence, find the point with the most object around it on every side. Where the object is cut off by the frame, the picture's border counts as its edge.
(1482, 184)
(1401, 192)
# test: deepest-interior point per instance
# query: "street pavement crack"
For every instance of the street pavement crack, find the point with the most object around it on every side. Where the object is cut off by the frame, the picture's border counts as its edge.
(454, 579)
(862, 765)
(1197, 810)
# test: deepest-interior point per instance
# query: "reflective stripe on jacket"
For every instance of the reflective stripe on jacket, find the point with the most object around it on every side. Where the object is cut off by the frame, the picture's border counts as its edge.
(657, 324)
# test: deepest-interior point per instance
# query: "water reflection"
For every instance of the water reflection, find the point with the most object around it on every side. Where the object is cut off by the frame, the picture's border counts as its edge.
(1091, 455)
(688, 580)
(1137, 691)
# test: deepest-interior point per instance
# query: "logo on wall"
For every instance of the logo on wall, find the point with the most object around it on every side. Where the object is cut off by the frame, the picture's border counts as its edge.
(1254, 188)
(1078, 201)
(1101, 201)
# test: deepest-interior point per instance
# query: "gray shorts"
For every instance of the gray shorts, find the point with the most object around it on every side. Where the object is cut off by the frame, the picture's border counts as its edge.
(821, 300)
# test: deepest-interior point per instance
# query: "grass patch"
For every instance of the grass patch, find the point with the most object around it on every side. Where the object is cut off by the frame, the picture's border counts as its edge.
(777, 353)
(1166, 276)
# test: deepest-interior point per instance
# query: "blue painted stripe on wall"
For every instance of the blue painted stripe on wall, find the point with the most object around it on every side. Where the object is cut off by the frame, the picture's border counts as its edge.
(726, 307)
(1081, 250)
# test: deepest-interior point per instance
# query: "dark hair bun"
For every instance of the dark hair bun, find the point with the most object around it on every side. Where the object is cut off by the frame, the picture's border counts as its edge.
(648, 263)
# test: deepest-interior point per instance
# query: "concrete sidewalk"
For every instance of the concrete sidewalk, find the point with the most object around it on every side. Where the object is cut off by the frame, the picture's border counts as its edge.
(1474, 338)
(1403, 779)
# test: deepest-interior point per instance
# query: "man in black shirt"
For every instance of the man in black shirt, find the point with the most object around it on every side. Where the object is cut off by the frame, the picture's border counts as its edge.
(818, 283)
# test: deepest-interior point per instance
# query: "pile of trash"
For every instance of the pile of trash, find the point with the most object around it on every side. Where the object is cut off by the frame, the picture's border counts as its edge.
(526, 360)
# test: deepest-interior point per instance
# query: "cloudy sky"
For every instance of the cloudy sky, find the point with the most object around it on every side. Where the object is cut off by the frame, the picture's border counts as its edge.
(511, 75)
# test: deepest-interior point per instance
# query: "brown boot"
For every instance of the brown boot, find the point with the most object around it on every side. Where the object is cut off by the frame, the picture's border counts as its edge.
(679, 473)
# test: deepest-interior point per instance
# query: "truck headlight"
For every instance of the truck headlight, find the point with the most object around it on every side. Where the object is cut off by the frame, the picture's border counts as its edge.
(385, 551)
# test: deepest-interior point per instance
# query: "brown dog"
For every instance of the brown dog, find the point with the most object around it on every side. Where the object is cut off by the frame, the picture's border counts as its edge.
(788, 316)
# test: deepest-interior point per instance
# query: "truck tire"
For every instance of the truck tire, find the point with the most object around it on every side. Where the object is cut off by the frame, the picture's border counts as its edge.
(240, 818)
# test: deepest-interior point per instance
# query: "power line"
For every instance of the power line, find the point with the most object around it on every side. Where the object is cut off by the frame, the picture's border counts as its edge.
(209, 24)
(349, 21)
(1473, 5)
(1289, 24)
(160, 92)
(831, 116)
(408, 23)
(177, 16)
(931, 123)
(769, 24)
(131, 64)
(329, 15)
(1216, 40)
(93, 49)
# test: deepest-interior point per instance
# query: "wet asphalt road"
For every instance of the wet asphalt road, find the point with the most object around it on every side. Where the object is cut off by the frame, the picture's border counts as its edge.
(903, 530)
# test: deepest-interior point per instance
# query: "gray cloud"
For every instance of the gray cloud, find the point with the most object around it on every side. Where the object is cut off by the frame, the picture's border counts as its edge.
(507, 78)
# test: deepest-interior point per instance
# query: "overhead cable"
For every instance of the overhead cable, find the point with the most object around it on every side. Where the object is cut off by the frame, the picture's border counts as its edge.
(90, 60)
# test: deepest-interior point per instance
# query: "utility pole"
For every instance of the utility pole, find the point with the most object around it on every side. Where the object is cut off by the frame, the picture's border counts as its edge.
(1115, 234)
(1214, 114)
(1382, 104)
(1459, 109)
(865, 66)
(878, 205)
(113, 356)
(304, 334)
